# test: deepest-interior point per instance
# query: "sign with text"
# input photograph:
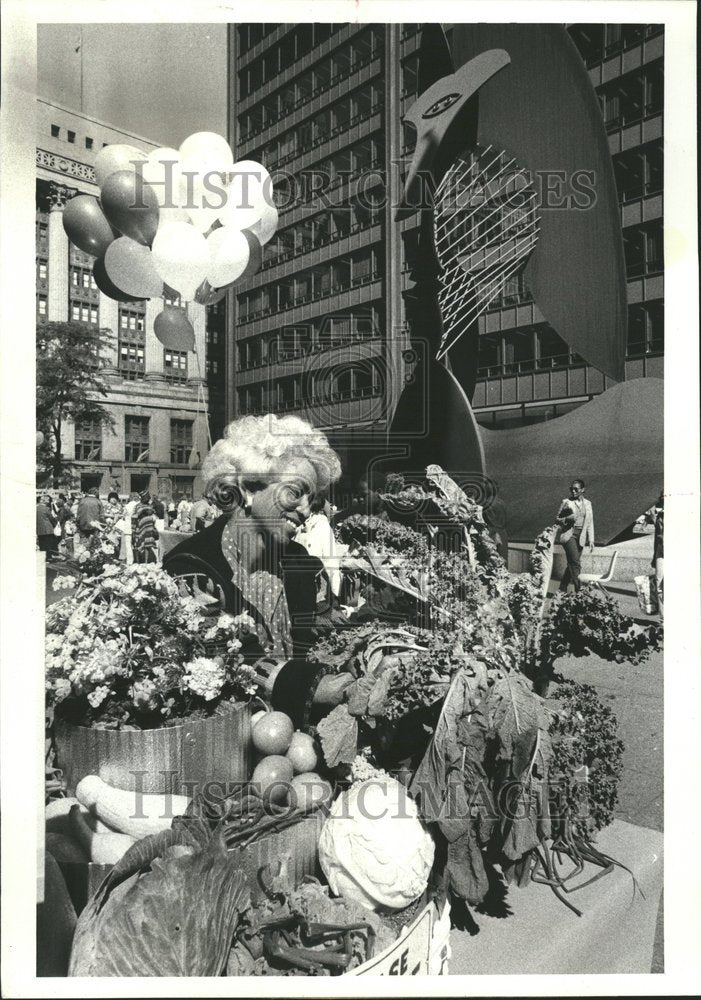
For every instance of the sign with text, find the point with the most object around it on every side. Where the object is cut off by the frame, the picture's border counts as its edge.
(408, 956)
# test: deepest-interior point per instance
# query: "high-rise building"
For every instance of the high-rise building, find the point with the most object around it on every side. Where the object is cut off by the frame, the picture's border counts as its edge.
(157, 397)
(321, 329)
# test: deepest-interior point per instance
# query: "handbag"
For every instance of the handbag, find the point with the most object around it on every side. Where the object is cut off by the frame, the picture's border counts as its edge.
(57, 530)
(646, 586)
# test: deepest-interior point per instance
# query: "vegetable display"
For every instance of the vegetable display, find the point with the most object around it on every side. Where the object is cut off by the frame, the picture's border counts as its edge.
(466, 675)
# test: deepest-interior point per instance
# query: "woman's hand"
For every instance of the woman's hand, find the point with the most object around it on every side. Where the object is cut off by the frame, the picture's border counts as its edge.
(266, 671)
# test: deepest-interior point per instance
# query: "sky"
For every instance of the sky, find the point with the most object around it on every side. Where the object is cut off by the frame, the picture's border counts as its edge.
(160, 81)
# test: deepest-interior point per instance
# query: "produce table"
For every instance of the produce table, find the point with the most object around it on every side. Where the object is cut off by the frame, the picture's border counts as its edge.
(615, 933)
(169, 539)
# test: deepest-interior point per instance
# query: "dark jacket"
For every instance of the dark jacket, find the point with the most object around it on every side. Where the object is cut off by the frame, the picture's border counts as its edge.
(45, 520)
(89, 510)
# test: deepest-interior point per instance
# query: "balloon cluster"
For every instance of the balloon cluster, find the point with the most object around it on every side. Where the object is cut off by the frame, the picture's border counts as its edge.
(187, 222)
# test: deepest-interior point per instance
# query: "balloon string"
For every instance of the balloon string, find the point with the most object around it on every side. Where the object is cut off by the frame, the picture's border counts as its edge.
(200, 396)
(200, 386)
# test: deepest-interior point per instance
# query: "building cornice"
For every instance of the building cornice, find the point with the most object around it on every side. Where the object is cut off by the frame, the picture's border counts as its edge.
(64, 166)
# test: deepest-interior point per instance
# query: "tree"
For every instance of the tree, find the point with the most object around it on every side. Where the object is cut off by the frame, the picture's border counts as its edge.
(69, 386)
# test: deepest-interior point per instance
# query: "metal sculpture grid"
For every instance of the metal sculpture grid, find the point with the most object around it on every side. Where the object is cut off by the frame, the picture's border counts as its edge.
(485, 225)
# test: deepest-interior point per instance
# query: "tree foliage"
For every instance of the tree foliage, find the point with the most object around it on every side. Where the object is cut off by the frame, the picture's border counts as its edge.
(69, 387)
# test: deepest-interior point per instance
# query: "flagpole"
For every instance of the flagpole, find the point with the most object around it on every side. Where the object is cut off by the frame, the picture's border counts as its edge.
(81, 68)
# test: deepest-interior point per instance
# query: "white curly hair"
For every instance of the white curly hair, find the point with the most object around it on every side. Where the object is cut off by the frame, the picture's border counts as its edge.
(256, 448)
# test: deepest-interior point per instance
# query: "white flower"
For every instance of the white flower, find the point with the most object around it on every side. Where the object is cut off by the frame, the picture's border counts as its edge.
(204, 677)
(62, 688)
(97, 696)
(144, 695)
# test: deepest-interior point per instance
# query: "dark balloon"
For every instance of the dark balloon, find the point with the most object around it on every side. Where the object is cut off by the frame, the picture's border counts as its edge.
(131, 205)
(86, 225)
(174, 329)
(108, 287)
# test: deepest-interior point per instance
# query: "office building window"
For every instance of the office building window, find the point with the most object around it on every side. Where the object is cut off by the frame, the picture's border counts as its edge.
(136, 438)
(175, 365)
(489, 355)
(42, 270)
(88, 441)
(41, 307)
(55, 131)
(180, 441)
(131, 320)
(518, 351)
(88, 142)
(645, 329)
(70, 136)
(131, 358)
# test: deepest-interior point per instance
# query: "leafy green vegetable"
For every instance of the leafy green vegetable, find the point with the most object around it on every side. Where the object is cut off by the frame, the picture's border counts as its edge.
(177, 918)
(338, 734)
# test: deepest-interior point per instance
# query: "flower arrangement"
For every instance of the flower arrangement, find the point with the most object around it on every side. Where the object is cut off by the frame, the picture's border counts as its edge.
(101, 549)
(128, 650)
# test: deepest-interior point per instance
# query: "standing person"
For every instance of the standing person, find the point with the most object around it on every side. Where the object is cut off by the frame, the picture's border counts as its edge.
(201, 515)
(90, 515)
(160, 511)
(113, 510)
(171, 512)
(126, 552)
(658, 551)
(46, 522)
(183, 512)
(65, 513)
(144, 534)
(576, 520)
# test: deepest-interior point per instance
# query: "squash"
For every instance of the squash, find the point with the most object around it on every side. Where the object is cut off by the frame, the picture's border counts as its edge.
(101, 848)
(134, 813)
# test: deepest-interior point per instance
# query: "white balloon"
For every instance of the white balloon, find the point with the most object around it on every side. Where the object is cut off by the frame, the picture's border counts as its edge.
(130, 266)
(168, 215)
(163, 171)
(181, 257)
(206, 160)
(266, 227)
(228, 256)
(116, 157)
(247, 194)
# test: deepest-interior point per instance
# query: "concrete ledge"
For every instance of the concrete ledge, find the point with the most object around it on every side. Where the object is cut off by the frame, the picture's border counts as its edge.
(538, 934)
(633, 559)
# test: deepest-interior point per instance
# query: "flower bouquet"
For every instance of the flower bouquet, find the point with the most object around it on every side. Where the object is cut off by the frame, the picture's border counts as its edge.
(101, 549)
(131, 661)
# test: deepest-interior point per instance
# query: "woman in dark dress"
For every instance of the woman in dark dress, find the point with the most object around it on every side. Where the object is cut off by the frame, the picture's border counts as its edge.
(263, 475)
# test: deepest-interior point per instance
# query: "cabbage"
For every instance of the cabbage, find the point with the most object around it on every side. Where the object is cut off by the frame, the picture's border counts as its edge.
(373, 847)
(169, 908)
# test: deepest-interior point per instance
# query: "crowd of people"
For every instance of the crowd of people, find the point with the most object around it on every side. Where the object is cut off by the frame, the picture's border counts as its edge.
(136, 525)
(67, 521)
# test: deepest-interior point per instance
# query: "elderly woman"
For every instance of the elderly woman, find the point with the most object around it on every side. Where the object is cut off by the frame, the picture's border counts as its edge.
(264, 474)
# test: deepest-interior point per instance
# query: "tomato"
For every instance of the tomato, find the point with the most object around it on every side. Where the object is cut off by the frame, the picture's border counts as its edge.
(302, 753)
(273, 733)
(272, 778)
(308, 790)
